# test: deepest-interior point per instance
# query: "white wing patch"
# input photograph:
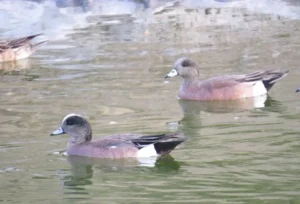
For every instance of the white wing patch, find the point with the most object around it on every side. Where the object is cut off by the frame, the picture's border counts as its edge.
(259, 89)
(148, 151)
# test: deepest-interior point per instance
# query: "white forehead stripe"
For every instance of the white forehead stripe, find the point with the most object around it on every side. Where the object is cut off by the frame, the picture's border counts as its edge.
(179, 61)
(70, 115)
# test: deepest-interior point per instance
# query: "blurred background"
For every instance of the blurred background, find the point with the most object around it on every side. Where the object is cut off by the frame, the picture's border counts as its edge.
(106, 60)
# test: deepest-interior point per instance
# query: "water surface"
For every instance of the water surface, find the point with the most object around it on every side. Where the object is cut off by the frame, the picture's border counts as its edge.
(108, 64)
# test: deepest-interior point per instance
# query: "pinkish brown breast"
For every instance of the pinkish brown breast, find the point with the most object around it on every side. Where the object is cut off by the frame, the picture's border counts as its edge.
(7, 55)
(89, 150)
(210, 93)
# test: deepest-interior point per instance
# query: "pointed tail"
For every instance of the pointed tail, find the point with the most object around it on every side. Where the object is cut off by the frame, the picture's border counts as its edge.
(156, 145)
(272, 76)
(168, 143)
(39, 43)
(20, 41)
(32, 36)
(16, 43)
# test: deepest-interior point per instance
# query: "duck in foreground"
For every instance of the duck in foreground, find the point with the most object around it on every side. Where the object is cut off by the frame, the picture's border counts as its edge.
(227, 87)
(114, 146)
(19, 48)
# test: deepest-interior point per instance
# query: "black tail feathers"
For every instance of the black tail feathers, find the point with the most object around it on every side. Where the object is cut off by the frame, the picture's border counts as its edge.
(163, 143)
(168, 143)
(165, 147)
(270, 77)
(39, 43)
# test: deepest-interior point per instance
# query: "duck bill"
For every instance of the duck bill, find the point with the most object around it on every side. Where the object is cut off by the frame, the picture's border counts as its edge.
(172, 73)
(59, 131)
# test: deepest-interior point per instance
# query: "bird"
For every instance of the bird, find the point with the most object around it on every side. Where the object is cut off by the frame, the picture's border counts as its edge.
(227, 87)
(117, 146)
(19, 48)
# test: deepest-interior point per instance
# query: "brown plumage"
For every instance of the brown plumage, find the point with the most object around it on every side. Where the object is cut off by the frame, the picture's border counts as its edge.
(114, 146)
(19, 48)
(226, 87)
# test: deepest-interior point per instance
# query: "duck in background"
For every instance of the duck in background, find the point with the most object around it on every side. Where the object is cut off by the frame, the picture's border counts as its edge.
(20, 48)
(227, 87)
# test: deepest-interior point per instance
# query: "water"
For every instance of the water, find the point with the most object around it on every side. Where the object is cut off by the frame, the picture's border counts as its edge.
(110, 68)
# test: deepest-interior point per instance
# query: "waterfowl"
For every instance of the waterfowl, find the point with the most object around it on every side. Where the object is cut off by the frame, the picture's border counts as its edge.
(19, 48)
(227, 87)
(114, 146)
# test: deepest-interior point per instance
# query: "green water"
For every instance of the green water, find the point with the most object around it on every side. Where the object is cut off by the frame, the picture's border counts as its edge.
(113, 75)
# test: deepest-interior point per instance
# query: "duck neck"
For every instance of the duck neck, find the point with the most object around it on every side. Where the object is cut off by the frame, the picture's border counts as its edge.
(188, 81)
(76, 140)
(79, 138)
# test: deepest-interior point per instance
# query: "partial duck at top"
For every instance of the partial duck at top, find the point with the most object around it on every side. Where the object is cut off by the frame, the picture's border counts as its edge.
(227, 87)
(20, 48)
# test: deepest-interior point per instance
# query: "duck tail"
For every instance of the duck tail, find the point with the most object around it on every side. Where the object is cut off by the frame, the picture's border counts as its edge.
(157, 145)
(272, 76)
(32, 36)
(166, 145)
(22, 41)
(39, 43)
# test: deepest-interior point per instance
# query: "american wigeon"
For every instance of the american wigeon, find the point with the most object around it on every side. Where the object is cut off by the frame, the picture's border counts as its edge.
(18, 48)
(227, 87)
(114, 146)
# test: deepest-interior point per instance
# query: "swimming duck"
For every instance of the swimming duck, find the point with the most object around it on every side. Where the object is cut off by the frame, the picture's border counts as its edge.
(19, 48)
(114, 146)
(227, 87)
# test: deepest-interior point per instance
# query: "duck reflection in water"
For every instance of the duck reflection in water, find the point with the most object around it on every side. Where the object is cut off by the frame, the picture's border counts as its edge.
(114, 152)
(14, 67)
(192, 110)
(229, 106)
(83, 168)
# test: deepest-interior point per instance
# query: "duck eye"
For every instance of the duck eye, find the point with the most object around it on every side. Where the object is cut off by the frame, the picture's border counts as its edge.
(186, 63)
(75, 120)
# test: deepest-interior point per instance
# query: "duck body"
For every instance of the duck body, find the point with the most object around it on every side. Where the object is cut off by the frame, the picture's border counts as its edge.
(116, 146)
(19, 48)
(122, 146)
(227, 87)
